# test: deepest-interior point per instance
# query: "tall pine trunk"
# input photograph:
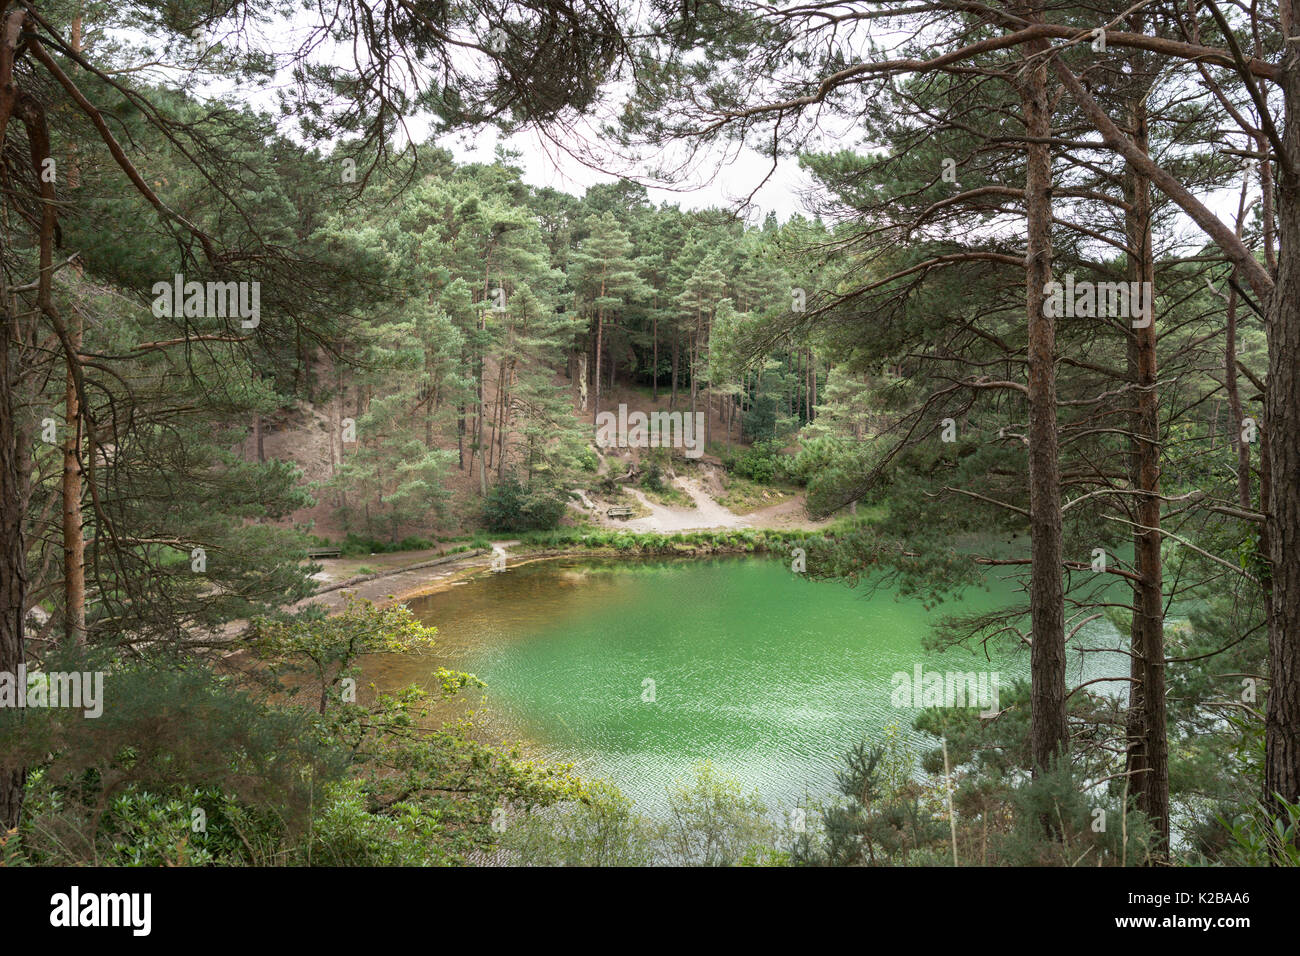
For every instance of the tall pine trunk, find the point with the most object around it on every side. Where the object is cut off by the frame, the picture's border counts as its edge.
(1149, 759)
(1282, 444)
(595, 398)
(74, 541)
(1049, 733)
(672, 401)
(655, 336)
(13, 550)
(600, 334)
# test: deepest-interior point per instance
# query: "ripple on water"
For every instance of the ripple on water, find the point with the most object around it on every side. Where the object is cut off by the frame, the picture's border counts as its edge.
(766, 675)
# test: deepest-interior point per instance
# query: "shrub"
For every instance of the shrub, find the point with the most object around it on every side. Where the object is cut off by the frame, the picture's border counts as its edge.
(513, 506)
(346, 832)
(816, 456)
(122, 789)
(713, 822)
(763, 463)
(355, 545)
(603, 829)
(1259, 836)
(653, 478)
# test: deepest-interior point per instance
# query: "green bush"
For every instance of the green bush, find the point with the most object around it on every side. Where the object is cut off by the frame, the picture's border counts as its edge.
(512, 506)
(1259, 836)
(762, 463)
(346, 832)
(816, 456)
(355, 545)
(712, 822)
(166, 826)
(653, 478)
(122, 789)
(603, 829)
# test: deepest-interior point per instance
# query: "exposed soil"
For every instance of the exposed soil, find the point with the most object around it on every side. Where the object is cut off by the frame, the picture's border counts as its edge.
(707, 513)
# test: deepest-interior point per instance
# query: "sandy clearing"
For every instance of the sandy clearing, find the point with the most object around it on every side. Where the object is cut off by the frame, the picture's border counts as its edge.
(791, 513)
(706, 515)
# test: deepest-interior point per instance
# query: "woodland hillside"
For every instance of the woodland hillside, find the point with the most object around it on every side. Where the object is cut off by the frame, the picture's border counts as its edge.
(1032, 324)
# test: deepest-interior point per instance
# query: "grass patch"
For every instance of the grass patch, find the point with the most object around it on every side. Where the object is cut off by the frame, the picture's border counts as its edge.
(669, 495)
(726, 540)
(743, 495)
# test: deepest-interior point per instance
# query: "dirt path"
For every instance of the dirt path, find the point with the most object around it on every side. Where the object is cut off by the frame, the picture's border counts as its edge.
(400, 582)
(707, 513)
(791, 513)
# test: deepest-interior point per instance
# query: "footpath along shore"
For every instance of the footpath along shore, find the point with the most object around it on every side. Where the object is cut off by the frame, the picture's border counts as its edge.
(427, 572)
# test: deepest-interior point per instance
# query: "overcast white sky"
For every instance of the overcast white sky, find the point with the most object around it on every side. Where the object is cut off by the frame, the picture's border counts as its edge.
(723, 181)
(720, 179)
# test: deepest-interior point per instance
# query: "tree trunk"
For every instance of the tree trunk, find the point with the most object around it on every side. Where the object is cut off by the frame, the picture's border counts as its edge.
(505, 420)
(460, 416)
(431, 402)
(672, 401)
(13, 550)
(1282, 444)
(1152, 783)
(655, 336)
(600, 331)
(807, 389)
(1235, 410)
(74, 542)
(708, 387)
(478, 444)
(813, 413)
(582, 380)
(1049, 733)
(695, 361)
(497, 414)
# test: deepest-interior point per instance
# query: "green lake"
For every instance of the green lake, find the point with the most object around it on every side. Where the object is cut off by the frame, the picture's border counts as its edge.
(766, 674)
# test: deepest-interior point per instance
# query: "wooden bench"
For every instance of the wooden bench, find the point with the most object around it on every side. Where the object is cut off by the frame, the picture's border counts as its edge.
(314, 553)
(620, 512)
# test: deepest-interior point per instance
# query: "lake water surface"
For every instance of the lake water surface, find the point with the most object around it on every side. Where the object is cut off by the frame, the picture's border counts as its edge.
(769, 676)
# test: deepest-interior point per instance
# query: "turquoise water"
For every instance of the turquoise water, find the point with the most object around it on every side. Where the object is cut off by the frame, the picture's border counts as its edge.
(769, 676)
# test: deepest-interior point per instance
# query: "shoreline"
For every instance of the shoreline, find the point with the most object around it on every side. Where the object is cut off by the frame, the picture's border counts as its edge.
(760, 541)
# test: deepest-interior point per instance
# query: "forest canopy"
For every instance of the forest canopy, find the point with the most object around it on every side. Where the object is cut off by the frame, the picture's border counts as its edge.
(1036, 318)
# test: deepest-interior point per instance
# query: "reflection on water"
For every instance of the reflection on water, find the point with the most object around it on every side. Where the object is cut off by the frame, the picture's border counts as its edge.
(767, 675)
